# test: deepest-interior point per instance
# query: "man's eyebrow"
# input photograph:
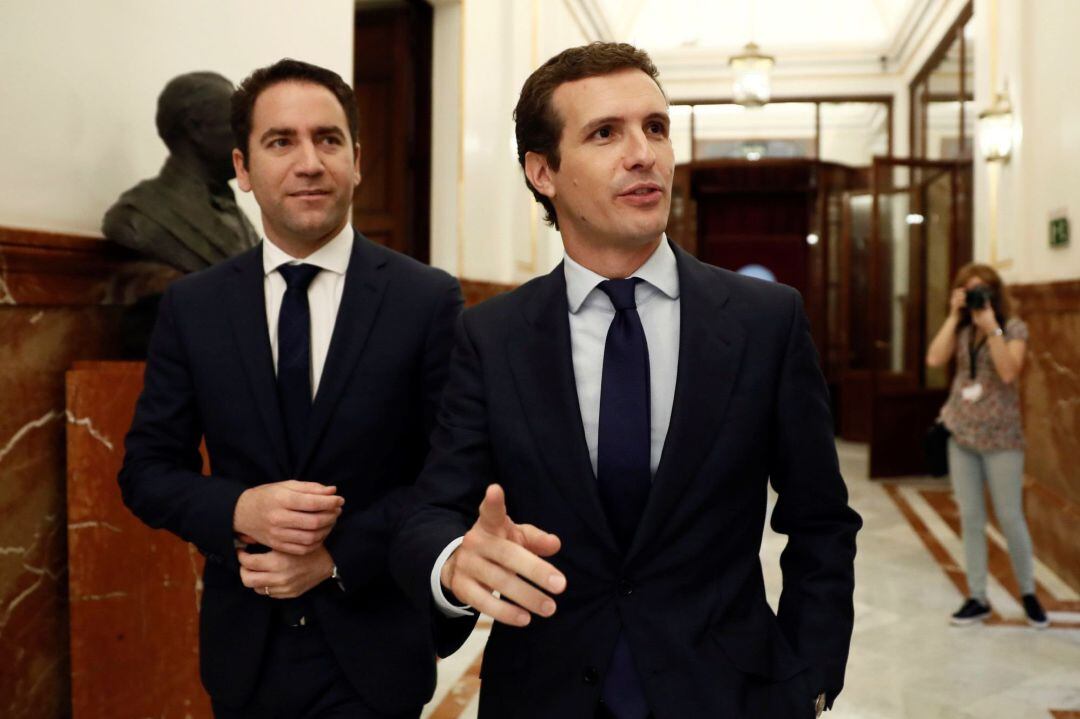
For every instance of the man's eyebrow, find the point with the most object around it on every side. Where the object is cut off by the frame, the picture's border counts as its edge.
(329, 130)
(660, 116)
(600, 122)
(277, 132)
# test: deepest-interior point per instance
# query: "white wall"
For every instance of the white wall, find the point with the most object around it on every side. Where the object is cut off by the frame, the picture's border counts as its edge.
(80, 84)
(485, 223)
(1037, 54)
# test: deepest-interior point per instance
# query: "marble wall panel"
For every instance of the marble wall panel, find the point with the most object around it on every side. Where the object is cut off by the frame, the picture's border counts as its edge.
(1050, 389)
(61, 300)
(134, 592)
(476, 291)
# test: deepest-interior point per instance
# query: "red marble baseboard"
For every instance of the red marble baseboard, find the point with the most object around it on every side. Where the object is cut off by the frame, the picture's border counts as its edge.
(134, 592)
(61, 300)
(44, 268)
(1050, 390)
(476, 291)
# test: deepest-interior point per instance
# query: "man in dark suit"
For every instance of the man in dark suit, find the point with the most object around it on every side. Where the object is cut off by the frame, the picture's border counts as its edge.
(312, 366)
(627, 411)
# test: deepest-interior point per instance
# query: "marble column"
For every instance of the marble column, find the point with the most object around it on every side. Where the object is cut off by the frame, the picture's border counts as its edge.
(61, 300)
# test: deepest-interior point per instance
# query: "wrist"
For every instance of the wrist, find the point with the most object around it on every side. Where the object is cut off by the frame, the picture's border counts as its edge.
(446, 573)
(239, 522)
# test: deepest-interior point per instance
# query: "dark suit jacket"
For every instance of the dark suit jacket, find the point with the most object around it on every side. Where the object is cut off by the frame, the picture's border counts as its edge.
(210, 373)
(750, 405)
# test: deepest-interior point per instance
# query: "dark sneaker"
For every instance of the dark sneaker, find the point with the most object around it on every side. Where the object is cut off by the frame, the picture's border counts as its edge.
(972, 611)
(1036, 617)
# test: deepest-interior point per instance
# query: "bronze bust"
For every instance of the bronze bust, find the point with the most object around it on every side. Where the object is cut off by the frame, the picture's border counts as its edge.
(187, 216)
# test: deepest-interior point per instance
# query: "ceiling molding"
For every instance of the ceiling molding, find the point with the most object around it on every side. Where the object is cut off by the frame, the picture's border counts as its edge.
(592, 20)
(913, 32)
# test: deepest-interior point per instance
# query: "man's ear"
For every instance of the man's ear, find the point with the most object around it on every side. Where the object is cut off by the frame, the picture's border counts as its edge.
(357, 175)
(243, 181)
(539, 174)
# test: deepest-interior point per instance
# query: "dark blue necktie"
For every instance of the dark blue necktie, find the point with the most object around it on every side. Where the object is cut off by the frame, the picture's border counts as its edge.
(294, 358)
(623, 471)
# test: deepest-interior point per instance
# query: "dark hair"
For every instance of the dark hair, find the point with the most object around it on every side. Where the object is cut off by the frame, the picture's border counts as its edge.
(536, 124)
(287, 70)
(184, 96)
(999, 297)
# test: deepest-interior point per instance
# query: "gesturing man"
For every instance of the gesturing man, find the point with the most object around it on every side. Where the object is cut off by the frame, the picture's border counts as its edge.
(617, 422)
(312, 366)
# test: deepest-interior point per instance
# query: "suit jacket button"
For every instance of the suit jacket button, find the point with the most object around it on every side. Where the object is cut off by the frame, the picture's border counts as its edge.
(590, 676)
(625, 588)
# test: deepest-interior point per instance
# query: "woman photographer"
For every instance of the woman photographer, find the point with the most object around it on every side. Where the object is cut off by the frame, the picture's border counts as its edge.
(986, 446)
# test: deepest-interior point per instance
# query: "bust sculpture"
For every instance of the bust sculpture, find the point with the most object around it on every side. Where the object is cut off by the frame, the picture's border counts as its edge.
(187, 216)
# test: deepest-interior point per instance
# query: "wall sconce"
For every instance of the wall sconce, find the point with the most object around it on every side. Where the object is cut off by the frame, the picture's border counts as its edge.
(753, 85)
(996, 129)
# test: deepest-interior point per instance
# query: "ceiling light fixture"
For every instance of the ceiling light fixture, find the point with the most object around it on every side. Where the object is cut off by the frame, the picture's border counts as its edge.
(753, 81)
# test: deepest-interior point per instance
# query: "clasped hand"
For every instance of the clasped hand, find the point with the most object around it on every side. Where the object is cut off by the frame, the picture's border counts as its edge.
(292, 518)
(500, 556)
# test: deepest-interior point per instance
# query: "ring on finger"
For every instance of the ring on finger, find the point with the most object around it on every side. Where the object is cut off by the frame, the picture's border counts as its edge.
(266, 591)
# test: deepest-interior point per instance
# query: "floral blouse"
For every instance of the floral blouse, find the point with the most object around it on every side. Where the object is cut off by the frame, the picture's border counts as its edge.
(983, 413)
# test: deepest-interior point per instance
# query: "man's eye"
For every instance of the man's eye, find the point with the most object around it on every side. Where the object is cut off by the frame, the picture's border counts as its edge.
(279, 142)
(658, 128)
(331, 140)
(603, 133)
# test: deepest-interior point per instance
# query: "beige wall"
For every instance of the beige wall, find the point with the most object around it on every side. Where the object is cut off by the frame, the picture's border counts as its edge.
(1034, 48)
(485, 224)
(80, 82)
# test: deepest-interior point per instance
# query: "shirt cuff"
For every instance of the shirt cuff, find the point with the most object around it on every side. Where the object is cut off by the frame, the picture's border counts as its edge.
(444, 605)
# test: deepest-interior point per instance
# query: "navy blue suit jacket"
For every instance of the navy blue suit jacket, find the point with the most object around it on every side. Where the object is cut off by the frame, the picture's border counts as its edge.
(750, 406)
(210, 374)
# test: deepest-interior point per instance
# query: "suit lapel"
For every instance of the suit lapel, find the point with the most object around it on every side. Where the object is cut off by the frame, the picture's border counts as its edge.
(247, 313)
(364, 287)
(711, 344)
(542, 365)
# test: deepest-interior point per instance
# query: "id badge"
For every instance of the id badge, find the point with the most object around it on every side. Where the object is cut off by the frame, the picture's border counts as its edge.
(973, 392)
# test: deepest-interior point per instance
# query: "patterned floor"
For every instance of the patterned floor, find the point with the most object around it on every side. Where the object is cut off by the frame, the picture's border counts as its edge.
(906, 661)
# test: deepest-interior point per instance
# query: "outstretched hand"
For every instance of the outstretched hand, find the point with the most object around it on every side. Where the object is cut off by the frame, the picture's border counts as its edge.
(499, 556)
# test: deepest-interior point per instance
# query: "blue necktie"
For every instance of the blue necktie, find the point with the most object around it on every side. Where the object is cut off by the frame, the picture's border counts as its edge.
(294, 358)
(623, 471)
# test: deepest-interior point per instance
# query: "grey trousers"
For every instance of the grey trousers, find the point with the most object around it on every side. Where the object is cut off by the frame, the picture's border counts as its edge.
(1003, 473)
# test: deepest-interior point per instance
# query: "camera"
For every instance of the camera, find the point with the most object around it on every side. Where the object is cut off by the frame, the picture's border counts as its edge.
(978, 297)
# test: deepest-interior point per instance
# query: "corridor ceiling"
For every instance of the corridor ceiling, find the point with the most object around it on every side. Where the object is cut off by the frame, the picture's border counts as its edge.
(803, 27)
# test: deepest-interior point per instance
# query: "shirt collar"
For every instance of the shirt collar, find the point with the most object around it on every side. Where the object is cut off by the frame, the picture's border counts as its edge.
(660, 271)
(333, 256)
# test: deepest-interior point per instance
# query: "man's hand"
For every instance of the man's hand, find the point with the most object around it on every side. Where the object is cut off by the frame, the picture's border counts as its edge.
(498, 555)
(292, 517)
(284, 576)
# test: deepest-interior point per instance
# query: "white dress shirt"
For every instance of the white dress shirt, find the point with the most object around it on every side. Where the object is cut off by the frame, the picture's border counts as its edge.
(324, 294)
(591, 313)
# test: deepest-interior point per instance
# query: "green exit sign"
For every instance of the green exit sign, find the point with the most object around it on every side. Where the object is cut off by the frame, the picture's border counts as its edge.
(1059, 232)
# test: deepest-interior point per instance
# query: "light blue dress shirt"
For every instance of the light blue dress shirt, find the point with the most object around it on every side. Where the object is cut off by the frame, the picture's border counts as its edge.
(591, 312)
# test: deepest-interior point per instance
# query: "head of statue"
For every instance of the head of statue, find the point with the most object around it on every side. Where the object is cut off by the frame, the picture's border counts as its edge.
(193, 120)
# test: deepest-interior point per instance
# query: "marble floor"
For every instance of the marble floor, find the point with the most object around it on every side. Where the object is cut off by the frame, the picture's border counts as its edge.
(906, 660)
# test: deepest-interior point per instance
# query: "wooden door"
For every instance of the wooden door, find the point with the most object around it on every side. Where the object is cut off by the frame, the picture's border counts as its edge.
(919, 237)
(392, 82)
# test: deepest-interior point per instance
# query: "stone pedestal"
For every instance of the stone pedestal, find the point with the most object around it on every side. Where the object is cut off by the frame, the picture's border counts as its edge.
(134, 592)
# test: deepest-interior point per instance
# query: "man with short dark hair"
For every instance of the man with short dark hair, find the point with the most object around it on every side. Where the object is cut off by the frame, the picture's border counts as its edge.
(312, 366)
(628, 411)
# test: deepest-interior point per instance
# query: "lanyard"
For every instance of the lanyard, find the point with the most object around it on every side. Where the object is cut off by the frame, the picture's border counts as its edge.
(973, 351)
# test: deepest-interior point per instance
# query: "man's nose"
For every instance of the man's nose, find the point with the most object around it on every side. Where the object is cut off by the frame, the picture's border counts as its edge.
(639, 151)
(309, 162)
